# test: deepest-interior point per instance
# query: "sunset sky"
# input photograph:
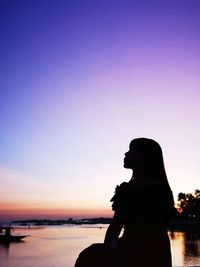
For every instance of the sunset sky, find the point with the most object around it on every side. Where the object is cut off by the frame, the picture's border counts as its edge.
(79, 80)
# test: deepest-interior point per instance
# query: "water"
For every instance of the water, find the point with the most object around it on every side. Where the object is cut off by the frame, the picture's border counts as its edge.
(59, 246)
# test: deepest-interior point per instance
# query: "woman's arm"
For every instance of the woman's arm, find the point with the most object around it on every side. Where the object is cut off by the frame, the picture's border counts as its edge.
(113, 230)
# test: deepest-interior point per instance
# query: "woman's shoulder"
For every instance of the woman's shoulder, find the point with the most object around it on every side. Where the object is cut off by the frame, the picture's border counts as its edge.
(130, 187)
(131, 190)
(120, 190)
(122, 187)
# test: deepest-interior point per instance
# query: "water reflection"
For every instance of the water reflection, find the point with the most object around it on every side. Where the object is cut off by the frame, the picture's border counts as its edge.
(185, 248)
(192, 248)
(60, 246)
(4, 251)
(192, 244)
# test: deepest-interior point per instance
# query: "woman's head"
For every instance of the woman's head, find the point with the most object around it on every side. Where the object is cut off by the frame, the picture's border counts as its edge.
(145, 155)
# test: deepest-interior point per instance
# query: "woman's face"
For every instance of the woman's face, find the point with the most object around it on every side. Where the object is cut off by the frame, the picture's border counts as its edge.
(133, 158)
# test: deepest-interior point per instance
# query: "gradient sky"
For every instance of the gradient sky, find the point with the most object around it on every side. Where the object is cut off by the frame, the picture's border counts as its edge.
(79, 80)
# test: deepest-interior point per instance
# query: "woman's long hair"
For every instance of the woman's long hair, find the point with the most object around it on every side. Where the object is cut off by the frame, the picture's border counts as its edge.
(153, 159)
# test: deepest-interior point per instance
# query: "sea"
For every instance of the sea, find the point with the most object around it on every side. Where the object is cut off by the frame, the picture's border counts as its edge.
(59, 246)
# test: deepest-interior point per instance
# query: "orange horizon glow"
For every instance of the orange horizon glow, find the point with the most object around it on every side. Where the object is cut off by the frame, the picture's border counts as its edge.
(11, 213)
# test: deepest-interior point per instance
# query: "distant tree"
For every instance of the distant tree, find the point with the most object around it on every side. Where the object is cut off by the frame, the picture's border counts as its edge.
(189, 205)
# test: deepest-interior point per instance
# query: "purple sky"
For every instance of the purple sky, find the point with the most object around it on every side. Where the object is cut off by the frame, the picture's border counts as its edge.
(79, 80)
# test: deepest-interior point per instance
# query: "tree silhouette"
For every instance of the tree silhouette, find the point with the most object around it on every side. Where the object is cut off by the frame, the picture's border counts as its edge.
(189, 205)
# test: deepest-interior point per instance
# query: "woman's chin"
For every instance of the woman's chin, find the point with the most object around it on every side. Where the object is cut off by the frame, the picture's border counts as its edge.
(126, 166)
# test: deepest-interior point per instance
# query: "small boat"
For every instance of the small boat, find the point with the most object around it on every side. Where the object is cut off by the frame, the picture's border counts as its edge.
(11, 238)
(7, 237)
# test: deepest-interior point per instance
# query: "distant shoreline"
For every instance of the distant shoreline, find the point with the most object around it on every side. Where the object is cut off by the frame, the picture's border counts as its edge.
(174, 225)
(69, 221)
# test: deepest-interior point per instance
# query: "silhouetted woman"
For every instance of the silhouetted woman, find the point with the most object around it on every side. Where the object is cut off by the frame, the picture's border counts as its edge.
(142, 208)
